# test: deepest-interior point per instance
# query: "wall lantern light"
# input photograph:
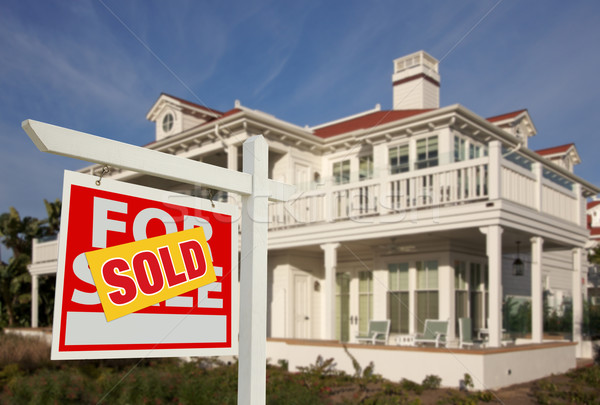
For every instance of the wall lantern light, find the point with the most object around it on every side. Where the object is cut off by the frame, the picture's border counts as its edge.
(518, 267)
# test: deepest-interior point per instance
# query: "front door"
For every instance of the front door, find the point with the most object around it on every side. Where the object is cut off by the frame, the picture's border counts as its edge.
(301, 306)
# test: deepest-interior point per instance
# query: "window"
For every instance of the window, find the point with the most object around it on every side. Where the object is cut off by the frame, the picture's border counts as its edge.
(427, 152)
(427, 292)
(398, 302)
(341, 172)
(342, 307)
(477, 289)
(461, 290)
(557, 179)
(365, 300)
(167, 123)
(474, 151)
(365, 167)
(459, 149)
(398, 156)
(518, 159)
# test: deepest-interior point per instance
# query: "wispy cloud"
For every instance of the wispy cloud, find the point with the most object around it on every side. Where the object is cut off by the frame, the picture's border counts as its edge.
(61, 67)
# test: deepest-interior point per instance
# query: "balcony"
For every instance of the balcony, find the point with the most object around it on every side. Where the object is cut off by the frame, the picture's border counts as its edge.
(44, 253)
(514, 179)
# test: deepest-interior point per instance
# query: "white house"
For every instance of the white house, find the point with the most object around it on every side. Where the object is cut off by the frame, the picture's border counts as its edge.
(414, 213)
(593, 221)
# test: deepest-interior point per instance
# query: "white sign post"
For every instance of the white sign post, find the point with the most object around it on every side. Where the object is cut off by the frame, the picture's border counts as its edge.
(254, 187)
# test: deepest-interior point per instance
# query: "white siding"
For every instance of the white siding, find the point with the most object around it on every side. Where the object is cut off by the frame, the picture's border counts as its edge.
(557, 273)
(516, 285)
(418, 93)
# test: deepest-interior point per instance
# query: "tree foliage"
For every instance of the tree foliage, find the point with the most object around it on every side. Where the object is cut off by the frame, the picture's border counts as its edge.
(17, 234)
(51, 224)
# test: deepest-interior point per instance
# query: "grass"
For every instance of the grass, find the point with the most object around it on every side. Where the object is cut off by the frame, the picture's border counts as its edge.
(27, 376)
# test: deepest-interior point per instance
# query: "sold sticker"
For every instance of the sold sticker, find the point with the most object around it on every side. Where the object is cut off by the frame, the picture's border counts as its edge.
(136, 275)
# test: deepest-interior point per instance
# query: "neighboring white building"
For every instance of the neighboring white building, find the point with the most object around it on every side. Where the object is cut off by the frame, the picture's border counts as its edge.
(593, 222)
(407, 214)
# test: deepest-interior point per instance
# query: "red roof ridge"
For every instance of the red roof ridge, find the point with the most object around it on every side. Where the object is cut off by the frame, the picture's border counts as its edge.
(366, 121)
(592, 204)
(555, 149)
(192, 104)
(506, 115)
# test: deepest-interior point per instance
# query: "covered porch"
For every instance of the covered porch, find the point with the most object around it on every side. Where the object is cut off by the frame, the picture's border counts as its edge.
(332, 290)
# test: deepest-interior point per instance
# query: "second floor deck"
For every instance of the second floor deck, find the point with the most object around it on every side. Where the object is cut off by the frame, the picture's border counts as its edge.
(486, 178)
(533, 187)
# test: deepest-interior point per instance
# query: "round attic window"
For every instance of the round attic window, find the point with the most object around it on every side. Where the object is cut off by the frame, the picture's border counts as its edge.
(167, 123)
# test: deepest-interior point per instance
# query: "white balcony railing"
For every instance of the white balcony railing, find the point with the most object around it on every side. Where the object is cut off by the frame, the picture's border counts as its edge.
(427, 188)
(518, 184)
(451, 184)
(558, 202)
(44, 251)
(445, 185)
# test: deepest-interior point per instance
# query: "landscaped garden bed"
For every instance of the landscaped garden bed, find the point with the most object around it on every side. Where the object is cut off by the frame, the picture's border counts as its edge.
(27, 376)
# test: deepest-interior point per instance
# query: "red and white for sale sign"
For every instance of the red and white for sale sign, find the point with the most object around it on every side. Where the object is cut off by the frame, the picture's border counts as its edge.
(201, 322)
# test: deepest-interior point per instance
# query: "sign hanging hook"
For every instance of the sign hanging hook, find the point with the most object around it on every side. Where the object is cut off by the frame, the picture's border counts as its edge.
(211, 194)
(105, 170)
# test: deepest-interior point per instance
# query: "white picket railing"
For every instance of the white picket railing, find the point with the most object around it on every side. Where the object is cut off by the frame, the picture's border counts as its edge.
(451, 184)
(443, 185)
(518, 184)
(46, 251)
(558, 201)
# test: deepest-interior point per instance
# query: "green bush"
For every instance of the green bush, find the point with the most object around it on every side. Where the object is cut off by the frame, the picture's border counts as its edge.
(207, 381)
(431, 382)
(30, 353)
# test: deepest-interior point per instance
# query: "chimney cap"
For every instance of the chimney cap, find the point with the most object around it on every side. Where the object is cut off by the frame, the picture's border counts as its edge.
(420, 58)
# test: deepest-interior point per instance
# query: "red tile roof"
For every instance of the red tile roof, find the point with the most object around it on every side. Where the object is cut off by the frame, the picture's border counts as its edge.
(592, 204)
(194, 104)
(555, 149)
(505, 116)
(366, 121)
(383, 117)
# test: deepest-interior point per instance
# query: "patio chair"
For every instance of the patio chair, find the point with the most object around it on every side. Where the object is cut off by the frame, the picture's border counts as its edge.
(435, 331)
(465, 330)
(378, 332)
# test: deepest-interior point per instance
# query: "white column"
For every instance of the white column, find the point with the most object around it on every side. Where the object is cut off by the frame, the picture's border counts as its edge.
(495, 170)
(412, 298)
(537, 171)
(537, 299)
(232, 157)
(577, 300)
(494, 253)
(447, 305)
(580, 209)
(232, 163)
(253, 277)
(381, 163)
(34, 301)
(330, 253)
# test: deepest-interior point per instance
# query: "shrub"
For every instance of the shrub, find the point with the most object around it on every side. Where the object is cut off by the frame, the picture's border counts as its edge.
(409, 385)
(29, 353)
(431, 382)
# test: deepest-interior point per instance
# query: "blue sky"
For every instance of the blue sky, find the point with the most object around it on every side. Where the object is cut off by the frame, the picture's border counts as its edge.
(98, 66)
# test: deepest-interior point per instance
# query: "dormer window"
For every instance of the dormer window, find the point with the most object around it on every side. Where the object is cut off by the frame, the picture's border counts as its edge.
(167, 123)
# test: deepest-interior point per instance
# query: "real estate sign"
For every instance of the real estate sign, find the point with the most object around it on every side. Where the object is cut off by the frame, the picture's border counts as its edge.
(166, 256)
